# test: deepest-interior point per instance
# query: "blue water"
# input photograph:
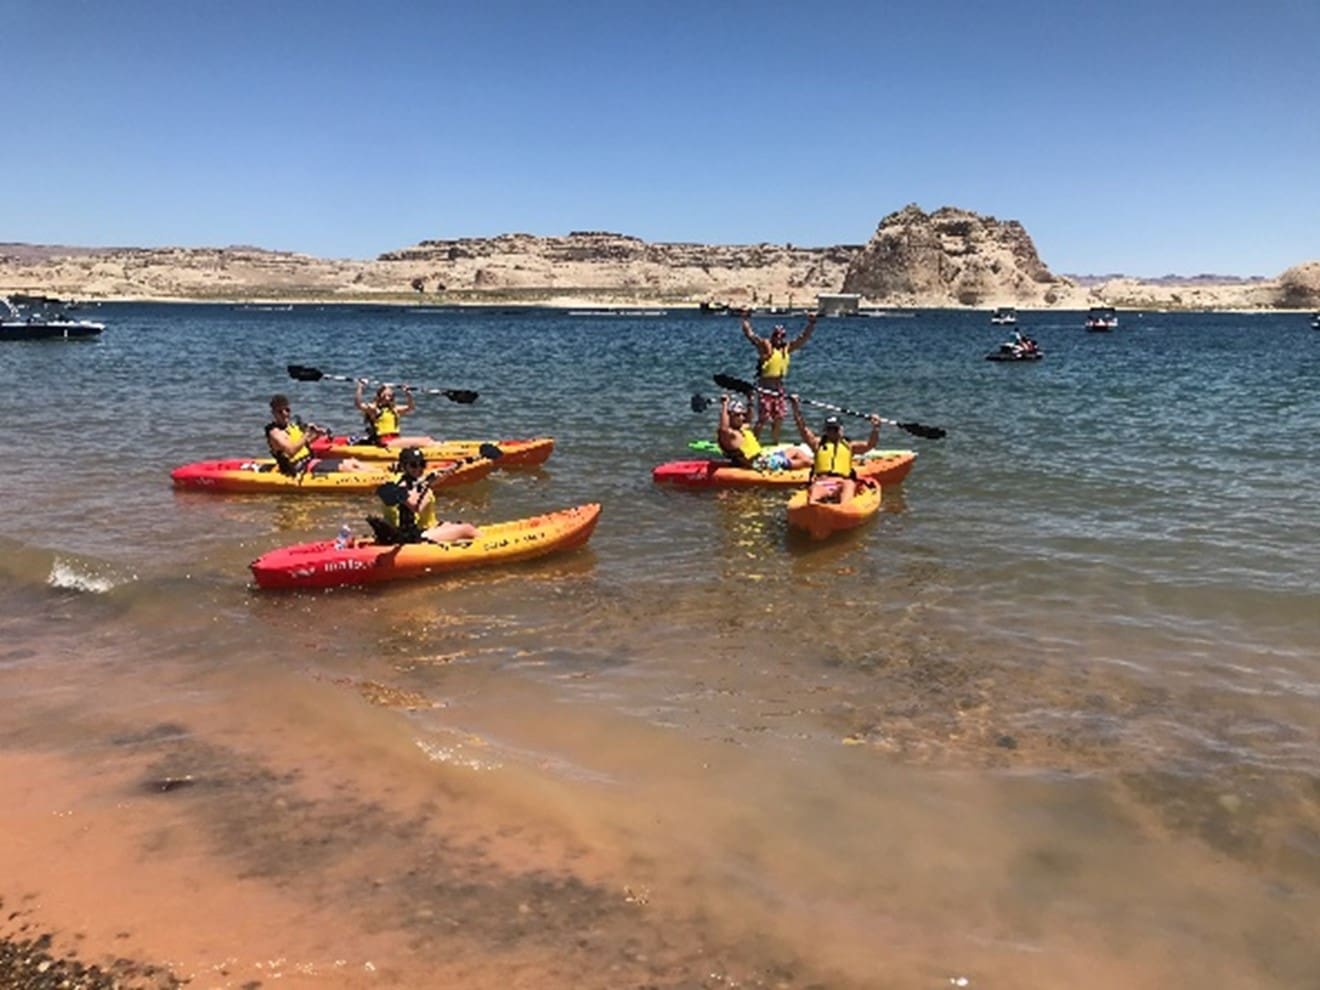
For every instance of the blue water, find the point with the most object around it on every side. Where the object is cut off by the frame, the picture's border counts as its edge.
(1100, 591)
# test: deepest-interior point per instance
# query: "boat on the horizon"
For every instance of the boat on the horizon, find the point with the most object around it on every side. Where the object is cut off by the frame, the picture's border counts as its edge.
(1004, 316)
(1315, 322)
(1102, 319)
(28, 317)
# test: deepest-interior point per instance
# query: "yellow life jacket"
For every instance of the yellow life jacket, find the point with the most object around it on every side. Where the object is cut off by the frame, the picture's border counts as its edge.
(295, 462)
(776, 365)
(834, 459)
(385, 424)
(748, 445)
(403, 518)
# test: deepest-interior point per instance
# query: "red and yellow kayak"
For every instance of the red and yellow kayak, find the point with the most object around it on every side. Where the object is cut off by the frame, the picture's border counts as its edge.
(363, 561)
(260, 475)
(885, 467)
(517, 453)
(822, 519)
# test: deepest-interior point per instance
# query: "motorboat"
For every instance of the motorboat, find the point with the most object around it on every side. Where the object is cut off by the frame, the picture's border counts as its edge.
(1315, 322)
(1101, 319)
(1004, 316)
(1013, 351)
(28, 317)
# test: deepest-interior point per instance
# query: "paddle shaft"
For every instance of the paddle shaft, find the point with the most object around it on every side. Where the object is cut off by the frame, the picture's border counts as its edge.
(304, 373)
(747, 388)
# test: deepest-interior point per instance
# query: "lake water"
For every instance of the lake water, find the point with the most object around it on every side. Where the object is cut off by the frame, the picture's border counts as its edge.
(1052, 720)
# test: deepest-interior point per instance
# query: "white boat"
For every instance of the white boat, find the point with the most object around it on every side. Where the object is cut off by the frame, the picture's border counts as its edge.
(1101, 319)
(1315, 322)
(1004, 316)
(25, 317)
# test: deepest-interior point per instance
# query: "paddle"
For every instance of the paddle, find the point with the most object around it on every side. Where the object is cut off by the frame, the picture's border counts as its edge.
(393, 493)
(302, 373)
(747, 388)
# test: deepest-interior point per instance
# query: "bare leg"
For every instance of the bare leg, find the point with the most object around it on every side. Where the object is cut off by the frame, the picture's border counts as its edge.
(451, 532)
(400, 442)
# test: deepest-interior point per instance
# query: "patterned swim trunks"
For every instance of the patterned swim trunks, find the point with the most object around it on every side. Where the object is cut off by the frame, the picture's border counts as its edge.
(772, 405)
(771, 460)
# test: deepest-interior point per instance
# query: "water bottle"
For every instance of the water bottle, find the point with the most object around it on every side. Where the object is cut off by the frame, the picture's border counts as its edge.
(344, 537)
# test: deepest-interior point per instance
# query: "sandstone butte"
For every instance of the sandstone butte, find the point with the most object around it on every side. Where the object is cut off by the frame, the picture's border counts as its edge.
(948, 258)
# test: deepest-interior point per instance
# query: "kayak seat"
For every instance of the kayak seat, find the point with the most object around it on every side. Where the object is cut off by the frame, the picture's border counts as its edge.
(385, 533)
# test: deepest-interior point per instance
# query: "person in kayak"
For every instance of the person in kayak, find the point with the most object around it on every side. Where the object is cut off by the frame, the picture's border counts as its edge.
(833, 477)
(738, 443)
(289, 442)
(772, 368)
(382, 417)
(414, 516)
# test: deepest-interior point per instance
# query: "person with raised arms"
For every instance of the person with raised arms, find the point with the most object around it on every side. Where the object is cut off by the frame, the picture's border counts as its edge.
(738, 442)
(289, 442)
(382, 417)
(772, 368)
(833, 477)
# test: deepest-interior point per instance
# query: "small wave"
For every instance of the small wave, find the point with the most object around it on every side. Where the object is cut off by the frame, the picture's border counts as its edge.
(73, 577)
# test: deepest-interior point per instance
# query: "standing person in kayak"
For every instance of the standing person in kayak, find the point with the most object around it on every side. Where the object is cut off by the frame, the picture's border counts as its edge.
(414, 515)
(289, 442)
(738, 442)
(772, 368)
(833, 478)
(382, 417)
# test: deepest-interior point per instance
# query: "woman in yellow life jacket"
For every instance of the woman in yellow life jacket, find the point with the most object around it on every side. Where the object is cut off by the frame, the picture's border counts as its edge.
(833, 478)
(382, 417)
(738, 442)
(413, 514)
(772, 360)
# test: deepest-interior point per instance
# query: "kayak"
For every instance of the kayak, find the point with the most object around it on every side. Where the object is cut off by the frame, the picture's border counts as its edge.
(885, 467)
(260, 475)
(822, 519)
(517, 453)
(324, 564)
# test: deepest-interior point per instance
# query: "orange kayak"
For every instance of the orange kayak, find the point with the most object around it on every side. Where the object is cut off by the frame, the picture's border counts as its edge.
(822, 519)
(885, 467)
(362, 561)
(516, 453)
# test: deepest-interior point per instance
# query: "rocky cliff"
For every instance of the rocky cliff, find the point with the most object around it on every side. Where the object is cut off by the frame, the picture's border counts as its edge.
(950, 257)
(955, 257)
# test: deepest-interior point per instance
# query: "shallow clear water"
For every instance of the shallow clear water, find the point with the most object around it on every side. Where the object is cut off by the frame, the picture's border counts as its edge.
(1052, 716)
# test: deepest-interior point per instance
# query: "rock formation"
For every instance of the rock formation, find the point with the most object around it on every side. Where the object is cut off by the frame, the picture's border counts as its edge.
(954, 257)
(950, 257)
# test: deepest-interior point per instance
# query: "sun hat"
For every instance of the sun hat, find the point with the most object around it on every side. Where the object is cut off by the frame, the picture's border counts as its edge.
(737, 407)
(832, 421)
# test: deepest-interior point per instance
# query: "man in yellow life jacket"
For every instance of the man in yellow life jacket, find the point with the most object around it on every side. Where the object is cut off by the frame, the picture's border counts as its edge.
(772, 359)
(738, 442)
(290, 443)
(833, 477)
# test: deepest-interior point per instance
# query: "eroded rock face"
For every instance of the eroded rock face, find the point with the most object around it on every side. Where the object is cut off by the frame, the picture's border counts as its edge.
(1299, 286)
(953, 257)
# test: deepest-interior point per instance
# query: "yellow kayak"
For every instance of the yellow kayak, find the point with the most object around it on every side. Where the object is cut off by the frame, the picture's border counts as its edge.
(259, 475)
(516, 453)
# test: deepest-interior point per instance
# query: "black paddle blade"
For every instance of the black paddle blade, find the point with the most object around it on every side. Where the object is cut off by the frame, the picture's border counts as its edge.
(734, 384)
(302, 373)
(462, 395)
(490, 451)
(929, 432)
(391, 493)
(700, 403)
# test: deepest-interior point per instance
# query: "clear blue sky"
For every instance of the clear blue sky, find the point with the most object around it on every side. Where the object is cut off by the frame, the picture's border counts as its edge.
(1139, 136)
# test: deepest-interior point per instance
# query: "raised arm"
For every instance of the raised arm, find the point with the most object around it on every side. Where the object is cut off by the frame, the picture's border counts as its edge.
(412, 403)
(805, 335)
(760, 343)
(809, 438)
(363, 407)
(862, 446)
